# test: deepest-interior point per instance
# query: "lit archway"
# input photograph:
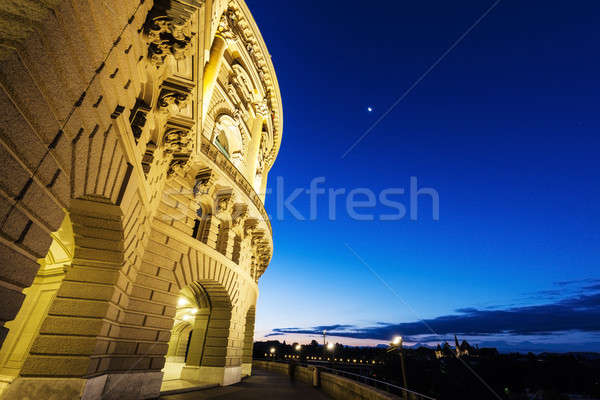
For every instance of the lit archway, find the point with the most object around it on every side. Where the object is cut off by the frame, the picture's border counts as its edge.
(25, 328)
(189, 330)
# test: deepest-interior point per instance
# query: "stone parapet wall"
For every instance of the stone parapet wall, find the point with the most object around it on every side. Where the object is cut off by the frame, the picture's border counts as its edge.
(335, 386)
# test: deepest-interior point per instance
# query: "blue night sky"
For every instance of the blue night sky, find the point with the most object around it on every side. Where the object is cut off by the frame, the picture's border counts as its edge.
(505, 128)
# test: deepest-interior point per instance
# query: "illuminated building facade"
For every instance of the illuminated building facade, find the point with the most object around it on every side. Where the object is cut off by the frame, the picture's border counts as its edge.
(136, 138)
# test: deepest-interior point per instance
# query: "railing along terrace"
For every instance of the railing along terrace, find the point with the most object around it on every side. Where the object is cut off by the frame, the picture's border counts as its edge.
(366, 380)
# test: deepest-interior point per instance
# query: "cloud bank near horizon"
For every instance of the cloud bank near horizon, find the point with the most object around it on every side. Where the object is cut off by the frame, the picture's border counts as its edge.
(579, 312)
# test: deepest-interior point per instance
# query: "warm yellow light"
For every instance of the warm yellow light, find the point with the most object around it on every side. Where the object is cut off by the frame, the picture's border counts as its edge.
(397, 341)
(194, 311)
(187, 317)
(182, 302)
(298, 347)
(272, 350)
(330, 346)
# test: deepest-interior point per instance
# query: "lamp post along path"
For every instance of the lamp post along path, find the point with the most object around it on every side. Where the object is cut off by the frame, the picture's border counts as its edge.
(396, 345)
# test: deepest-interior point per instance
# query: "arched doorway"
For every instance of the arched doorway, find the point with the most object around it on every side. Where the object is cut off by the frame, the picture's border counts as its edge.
(189, 331)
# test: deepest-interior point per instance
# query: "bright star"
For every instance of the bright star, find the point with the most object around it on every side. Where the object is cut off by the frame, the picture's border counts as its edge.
(370, 109)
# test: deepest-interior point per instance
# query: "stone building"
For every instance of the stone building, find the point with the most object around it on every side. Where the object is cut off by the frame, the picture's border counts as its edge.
(136, 138)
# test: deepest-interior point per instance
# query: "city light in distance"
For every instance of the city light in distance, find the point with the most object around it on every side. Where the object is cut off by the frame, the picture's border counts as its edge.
(397, 340)
(330, 346)
(272, 350)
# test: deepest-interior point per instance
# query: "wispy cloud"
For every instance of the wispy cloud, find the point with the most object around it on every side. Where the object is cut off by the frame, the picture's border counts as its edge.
(577, 282)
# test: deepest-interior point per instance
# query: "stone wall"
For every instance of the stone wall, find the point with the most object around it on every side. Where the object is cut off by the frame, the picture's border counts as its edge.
(103, 126)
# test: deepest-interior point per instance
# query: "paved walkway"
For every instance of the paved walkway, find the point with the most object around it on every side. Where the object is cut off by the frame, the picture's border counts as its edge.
(262, 385)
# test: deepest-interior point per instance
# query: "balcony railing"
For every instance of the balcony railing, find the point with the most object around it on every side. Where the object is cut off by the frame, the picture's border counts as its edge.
(221, 161)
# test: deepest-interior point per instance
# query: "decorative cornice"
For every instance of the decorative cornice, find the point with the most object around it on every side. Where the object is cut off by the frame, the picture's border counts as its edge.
(240, 21)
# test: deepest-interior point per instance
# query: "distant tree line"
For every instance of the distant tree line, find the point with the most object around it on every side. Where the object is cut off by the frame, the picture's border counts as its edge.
(447, 374)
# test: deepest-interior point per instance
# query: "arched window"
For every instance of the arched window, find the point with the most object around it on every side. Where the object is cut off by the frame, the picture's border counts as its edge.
(221, 143)
(228, 139)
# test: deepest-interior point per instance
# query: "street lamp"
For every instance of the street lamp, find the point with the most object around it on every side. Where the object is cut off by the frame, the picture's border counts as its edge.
(182, 301)
(272, 351)
(298, 347)
(330, 346)
(396, 345)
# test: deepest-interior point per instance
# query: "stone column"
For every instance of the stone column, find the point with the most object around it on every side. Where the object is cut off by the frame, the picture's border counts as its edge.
(228, 241)
(197, 341)
(253, 149)
(210, 231)
(211, 71)
(248, 342)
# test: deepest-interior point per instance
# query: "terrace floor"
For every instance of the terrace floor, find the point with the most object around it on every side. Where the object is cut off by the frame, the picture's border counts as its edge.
(262, 385)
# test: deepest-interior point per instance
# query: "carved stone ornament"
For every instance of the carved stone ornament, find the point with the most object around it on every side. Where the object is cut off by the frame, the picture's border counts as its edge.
(239, 218)
(178, 163)
(172, 101)
(176, 140)
(249, 228)
(226, 26)
(205, 182)
(224, 204)
(168, 31)
(261, 108)
(262, 151)
(242, 82)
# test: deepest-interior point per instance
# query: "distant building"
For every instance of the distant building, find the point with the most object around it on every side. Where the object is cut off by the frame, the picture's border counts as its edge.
(463, 349)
